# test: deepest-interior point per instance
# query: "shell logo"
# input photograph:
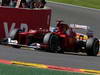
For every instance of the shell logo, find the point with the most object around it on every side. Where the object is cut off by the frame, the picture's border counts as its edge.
(81, 36)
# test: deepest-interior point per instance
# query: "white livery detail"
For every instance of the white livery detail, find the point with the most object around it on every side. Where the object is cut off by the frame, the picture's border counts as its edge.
(77, 26)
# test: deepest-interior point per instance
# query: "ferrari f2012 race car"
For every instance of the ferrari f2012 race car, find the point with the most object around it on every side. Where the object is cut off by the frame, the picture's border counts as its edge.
(62, 38)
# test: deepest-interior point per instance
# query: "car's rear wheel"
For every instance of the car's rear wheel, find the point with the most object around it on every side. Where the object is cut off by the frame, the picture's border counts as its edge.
(92, 47)
(53, 42)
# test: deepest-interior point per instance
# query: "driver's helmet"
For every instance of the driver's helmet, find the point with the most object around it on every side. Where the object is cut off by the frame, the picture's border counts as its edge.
(62, 27)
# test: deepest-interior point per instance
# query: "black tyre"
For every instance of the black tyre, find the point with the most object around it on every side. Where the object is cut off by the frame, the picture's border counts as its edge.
(14, 34)
(92, 47)
(53, 42)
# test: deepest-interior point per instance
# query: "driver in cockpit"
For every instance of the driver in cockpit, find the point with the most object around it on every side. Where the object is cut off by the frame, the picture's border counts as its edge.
(62, 28)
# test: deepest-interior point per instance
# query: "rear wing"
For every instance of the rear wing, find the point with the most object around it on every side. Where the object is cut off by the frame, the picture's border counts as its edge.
(77, 26)
(89, 32)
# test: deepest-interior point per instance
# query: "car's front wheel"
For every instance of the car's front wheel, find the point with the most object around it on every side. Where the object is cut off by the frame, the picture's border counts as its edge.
(92, 47)
(53, 42)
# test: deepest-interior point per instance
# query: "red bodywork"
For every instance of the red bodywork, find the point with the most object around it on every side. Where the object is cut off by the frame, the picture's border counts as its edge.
(67, 36)
(32, 36)
(63, 31)
(11, 18)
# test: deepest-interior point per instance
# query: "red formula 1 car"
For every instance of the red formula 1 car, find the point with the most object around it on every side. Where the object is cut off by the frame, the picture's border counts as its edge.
(62, 38)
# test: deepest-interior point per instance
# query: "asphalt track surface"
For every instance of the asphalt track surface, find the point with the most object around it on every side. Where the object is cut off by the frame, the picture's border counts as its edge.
(70, 15)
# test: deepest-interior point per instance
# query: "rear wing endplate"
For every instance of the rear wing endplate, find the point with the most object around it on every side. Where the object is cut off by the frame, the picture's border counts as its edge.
(77, 26)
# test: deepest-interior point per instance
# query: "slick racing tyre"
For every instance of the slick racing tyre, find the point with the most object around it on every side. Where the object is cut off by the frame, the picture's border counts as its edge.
(52, 41)
(14, 34)
(92, 47)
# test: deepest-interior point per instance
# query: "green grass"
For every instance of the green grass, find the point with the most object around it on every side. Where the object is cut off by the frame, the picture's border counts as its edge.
(20, 70)
(86, 3)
